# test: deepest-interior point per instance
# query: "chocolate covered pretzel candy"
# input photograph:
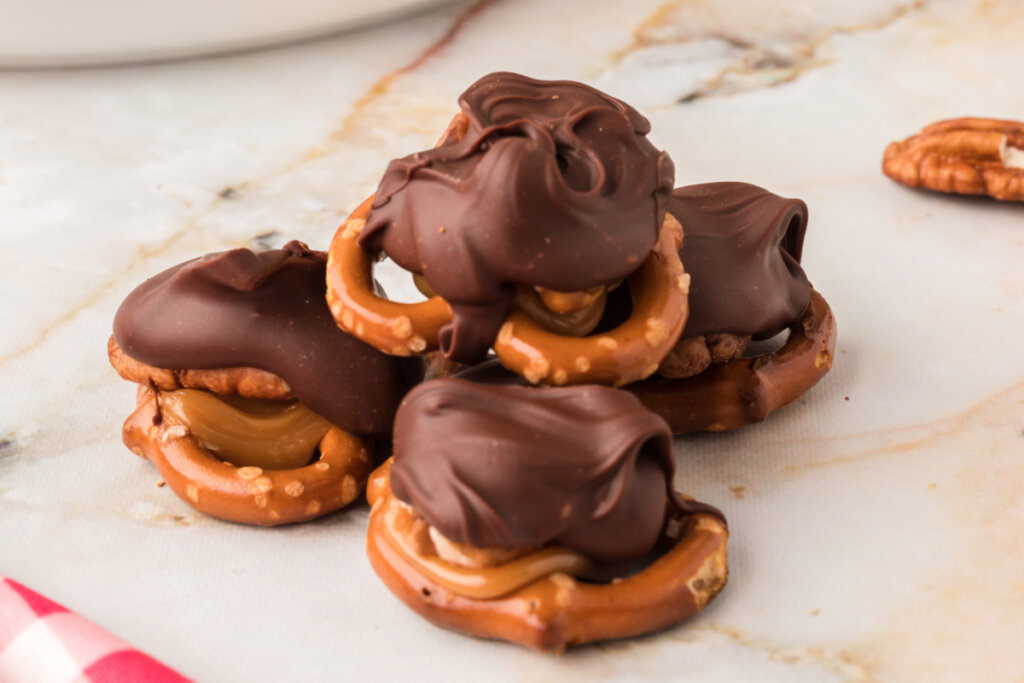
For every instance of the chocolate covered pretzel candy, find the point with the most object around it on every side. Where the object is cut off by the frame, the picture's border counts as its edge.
(540, 197)
(253, 402)
(742, 251)
(529, 519)
(744, 391)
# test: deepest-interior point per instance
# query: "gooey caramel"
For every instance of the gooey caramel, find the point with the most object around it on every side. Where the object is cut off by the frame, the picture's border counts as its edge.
(575, 320)
(483, 583)
(575, 314)
(274, 435)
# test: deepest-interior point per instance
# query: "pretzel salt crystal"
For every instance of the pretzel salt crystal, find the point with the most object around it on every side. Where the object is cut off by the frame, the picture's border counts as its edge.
(747, 390)
(401, 329)
(250, 495)
(557, 610)
(631, 351)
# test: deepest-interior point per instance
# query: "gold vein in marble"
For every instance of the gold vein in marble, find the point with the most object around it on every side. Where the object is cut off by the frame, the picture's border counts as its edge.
(41, 336)
(770, 54)
(229, 194)
(907, 439)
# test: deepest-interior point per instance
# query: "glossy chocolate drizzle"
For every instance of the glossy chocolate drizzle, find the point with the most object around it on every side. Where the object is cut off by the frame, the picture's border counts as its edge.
(741, 247)
(554, 184)
(267, 310)
(586, 467)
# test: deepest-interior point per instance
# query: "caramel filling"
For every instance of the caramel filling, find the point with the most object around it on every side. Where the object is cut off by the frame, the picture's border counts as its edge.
(574, 314)
(570, 302)
(423, 286)
(484, 583)
(578, 322)
(274, 435)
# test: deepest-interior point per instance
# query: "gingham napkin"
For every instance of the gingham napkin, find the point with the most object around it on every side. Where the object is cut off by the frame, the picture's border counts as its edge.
(42, 642)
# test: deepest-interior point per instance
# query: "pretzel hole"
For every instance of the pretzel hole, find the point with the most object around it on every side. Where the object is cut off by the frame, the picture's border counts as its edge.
(766, 347)
(394, 283)
(618, 308)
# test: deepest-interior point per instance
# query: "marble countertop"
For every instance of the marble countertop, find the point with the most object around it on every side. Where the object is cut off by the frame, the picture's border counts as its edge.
(877, 524)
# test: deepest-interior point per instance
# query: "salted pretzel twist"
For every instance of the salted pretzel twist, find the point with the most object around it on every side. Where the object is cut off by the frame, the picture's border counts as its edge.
(746, 390)
(557, 610)
(250, 495)
(631, 351)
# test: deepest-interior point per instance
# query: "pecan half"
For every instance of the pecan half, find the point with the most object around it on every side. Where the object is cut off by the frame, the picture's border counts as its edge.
(962, 156)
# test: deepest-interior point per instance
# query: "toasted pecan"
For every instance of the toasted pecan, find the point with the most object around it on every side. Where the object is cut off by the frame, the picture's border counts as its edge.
(693, 355)
(963, 156)
(746, 390)
(244, 381)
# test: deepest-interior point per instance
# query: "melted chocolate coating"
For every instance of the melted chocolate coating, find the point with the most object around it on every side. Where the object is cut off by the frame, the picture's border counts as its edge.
(742, 249)
(554, 184)
(266, 310)
(586, 467)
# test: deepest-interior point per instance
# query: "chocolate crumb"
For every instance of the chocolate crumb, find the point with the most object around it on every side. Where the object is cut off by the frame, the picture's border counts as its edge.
(228, 193)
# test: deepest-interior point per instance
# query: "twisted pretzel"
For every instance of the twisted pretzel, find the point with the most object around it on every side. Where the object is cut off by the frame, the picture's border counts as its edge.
(249, 495)
(631, 351)
(556, 611)
(747, 390)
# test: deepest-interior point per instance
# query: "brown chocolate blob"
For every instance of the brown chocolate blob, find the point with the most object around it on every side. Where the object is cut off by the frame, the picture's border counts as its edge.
(267, 310)
(554, 184)
(742, 249)
(586, 467)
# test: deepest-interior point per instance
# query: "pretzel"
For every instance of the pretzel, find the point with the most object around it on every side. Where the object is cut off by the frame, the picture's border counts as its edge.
(556, 610)
(631, 351)
(249, 495)
(962, 156)
(400, 329)
(747, 390)
(397, 328)
(244, 381)
(628, 353)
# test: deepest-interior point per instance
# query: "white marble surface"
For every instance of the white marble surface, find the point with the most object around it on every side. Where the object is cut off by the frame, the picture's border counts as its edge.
(878, 524)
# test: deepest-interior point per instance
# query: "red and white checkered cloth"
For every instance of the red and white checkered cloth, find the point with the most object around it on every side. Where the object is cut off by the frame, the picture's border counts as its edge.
(41, 641)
